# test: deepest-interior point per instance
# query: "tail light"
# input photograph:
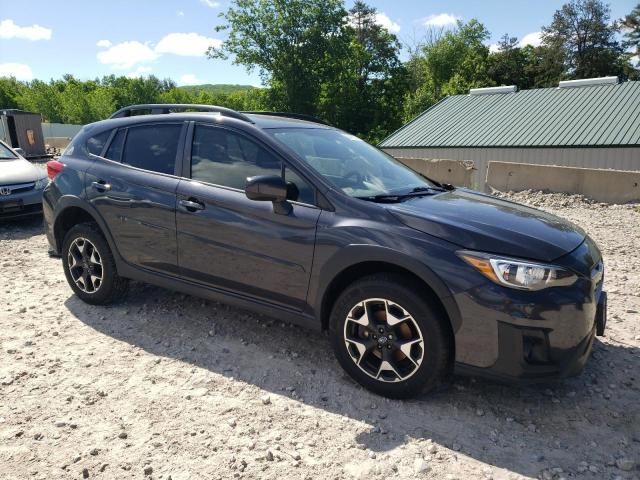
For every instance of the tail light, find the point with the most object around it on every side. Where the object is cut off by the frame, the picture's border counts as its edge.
(54, 167)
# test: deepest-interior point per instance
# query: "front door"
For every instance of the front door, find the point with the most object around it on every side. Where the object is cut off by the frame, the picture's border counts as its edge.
(230, 242)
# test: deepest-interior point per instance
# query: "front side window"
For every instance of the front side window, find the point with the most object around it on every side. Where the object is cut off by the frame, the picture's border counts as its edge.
(152, 147)
(348, 163)
(222, 157)
(225, 158)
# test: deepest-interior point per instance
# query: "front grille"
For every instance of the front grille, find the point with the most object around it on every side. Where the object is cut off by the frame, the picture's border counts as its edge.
(16, 188)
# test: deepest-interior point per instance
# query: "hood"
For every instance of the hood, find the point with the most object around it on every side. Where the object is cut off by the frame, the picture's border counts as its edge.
(484, 223)
(19, 171)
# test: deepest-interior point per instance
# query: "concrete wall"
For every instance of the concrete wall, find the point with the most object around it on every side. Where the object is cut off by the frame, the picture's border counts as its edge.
(60, 130)
(57, 142)
(620, 158)
(446, 171)
(611, 186)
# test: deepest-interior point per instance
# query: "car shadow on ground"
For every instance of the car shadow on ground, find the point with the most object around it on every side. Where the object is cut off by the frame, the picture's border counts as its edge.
(21, 228)
(521, 429)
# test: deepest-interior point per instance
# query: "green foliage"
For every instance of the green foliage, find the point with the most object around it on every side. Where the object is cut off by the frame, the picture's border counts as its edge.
(316, 57)
(217, 89)
(582, 30)
(631, 29)
(448, 65)
(70, 100)
(296, 45)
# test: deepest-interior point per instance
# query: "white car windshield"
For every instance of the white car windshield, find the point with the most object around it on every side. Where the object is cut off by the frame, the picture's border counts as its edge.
(6, 153)
(349, 163)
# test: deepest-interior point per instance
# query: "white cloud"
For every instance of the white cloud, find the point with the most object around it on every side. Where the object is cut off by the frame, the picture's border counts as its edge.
(386, 22)
(441, 20)
(210, 3)
(139, 72)
(103, 43)
(180, 13)
(127, 54)
(635, 60)
(19, 70)
(186, 44)
(8, 29)
(533, 38)
(494, 48)
(188, 79)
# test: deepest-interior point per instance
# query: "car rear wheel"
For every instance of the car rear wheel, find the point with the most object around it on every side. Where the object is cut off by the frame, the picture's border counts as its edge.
(90, 267)
(388, 338)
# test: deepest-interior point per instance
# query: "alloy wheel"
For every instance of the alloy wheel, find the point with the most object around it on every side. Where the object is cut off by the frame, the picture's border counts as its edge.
(383, 340)
(85, 265)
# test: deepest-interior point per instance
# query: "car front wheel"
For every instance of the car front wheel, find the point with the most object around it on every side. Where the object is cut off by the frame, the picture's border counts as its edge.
(388, 338)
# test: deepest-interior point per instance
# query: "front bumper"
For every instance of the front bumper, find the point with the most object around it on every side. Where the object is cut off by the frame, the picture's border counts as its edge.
(21, 204)
(514, 335)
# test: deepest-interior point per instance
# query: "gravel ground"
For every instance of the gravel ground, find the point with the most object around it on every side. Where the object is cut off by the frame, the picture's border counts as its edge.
(171, 386)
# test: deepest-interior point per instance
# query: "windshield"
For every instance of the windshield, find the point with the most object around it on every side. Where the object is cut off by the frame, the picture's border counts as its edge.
(6, 153)
(350, 164)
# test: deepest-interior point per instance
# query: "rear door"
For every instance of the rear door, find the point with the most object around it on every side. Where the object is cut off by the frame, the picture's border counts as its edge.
(134, 189)
(230, 242)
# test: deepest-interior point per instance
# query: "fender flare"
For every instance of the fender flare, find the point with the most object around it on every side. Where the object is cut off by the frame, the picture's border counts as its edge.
(70, 201)
(354, 254)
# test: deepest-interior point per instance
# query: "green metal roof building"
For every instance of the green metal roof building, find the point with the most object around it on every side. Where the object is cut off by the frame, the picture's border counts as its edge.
(591, 123)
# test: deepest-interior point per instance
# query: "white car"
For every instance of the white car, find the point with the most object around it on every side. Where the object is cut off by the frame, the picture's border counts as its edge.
(21, 184)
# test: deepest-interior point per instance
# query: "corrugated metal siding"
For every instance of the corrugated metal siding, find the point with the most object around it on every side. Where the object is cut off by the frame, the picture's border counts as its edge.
(613, 158)
(604, 115)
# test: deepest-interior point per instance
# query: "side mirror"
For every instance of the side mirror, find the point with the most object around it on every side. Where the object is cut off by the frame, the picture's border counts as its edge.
(19, 151)
(269, 188)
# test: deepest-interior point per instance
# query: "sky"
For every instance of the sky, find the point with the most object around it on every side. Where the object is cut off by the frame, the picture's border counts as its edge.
(45, 39)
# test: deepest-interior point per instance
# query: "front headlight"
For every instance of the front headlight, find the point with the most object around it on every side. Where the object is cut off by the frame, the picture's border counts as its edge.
(520, 274)
(43, 182)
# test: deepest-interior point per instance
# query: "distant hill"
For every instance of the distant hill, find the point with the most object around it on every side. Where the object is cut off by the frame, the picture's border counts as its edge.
(219, 88)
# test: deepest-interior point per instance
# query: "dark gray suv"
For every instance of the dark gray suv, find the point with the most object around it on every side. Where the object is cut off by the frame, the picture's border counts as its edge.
(306, 223)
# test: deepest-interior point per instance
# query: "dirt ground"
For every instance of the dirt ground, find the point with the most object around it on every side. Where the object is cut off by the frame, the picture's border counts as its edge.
(171, 386)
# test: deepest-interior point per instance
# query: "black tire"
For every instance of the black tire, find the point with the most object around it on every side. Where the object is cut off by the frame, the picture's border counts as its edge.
(436, 349)
(112, 288)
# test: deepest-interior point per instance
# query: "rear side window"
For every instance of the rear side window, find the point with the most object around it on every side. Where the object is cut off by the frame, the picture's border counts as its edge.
(152, 147)
(96, 143)
(114, 152)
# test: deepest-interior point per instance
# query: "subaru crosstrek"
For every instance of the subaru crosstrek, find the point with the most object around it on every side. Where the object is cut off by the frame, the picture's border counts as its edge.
(413, 280)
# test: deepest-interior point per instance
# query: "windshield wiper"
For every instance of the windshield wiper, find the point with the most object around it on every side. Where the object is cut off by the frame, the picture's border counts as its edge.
(398, 197)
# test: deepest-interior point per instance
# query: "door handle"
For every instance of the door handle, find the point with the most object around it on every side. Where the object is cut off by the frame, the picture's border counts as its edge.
(191, 205)
(101, 186)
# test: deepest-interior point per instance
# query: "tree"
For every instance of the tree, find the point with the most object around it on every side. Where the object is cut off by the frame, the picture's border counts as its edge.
(631, 26)
(366, 94)
(582, 30)
(451, 65)
(295, 44)
(508, 66)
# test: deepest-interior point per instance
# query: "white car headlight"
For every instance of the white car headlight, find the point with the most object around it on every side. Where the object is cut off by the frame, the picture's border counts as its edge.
(520, 274)
(41, 183)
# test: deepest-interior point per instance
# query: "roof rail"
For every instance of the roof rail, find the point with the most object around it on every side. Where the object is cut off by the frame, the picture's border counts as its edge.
(160, 108)
(297, 116)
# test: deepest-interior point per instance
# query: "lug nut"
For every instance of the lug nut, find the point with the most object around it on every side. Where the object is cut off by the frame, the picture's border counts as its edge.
(389, 347)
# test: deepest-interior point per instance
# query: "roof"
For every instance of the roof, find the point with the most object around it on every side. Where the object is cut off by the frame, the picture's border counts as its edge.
(589, 116)
(259, 120)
